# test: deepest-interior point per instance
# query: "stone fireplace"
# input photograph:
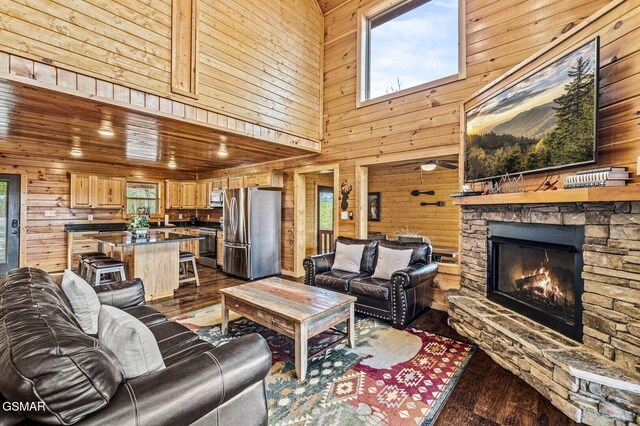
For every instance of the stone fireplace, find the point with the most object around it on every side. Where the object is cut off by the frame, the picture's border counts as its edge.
(536, 270)
(552, 293)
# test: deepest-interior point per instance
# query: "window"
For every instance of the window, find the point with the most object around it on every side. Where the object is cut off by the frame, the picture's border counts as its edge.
(143, 196)
(412, 43)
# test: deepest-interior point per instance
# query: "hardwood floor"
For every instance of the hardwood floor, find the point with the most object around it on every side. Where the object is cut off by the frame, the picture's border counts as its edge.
(486, 394)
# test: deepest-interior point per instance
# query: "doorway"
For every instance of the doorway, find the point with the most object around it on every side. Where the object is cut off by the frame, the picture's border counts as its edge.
(325, 206)
(9, 222)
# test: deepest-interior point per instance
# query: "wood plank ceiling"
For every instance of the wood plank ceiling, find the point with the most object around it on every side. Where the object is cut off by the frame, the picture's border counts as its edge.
(41, 123)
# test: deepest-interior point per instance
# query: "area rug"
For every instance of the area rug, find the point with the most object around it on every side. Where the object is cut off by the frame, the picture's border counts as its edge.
(392, 377)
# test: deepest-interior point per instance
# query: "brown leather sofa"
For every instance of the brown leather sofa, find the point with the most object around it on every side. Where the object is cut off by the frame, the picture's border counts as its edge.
(46, 359)
(398, 300)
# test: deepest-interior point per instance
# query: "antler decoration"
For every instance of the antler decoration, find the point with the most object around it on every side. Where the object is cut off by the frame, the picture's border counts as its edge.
(345, 190)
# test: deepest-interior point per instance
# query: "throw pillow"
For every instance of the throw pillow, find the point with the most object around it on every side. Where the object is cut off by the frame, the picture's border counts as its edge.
(390, 261)
(84, 301)
(348, 257)
(130, 341)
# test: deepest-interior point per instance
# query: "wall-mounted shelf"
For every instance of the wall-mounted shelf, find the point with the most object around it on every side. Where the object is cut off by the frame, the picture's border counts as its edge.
(580, 195)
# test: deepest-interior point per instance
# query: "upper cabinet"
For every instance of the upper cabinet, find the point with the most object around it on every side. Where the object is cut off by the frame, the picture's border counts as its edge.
(110, 192)
(203, 194)
(219, 183)
(97, 192)
(173, 194)
(180, 194)
(188, 195)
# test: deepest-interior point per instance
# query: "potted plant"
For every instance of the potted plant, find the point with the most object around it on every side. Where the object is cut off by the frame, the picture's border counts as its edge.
(139, 223)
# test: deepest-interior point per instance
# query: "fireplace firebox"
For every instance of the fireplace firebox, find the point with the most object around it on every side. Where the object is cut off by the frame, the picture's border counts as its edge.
(536, 270)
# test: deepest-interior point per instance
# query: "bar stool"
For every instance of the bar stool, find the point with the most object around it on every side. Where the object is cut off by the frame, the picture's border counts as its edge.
(101, 267)
(187, 258)
(85, 258)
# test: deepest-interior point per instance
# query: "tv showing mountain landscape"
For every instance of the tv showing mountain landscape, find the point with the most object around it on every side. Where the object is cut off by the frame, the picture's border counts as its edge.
(544, 121)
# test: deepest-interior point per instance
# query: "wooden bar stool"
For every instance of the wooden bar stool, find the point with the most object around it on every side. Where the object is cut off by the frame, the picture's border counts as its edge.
(98, 269)
(86, 258)
(187, 258)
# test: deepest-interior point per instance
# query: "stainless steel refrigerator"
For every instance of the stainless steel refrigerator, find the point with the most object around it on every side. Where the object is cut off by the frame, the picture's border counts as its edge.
(252, 232)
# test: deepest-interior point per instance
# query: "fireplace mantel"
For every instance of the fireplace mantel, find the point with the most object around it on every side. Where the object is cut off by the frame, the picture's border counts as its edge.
(581, 195)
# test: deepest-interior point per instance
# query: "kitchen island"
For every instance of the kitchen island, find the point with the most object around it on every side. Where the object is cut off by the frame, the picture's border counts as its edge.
(154, 259)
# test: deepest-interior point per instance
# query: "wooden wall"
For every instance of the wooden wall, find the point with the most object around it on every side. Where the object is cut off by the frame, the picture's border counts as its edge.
(312, 181)
(499, 35)
(48, 188)
(619, 93)
(258, 61)
(399, 209)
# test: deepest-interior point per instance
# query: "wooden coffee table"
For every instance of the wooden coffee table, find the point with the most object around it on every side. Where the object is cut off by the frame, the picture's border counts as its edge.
(296, 310)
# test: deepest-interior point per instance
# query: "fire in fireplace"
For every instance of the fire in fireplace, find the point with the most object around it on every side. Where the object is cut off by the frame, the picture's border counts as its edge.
(536, 270)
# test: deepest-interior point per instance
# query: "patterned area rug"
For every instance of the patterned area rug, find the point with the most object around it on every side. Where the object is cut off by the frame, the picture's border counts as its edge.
(392, 377)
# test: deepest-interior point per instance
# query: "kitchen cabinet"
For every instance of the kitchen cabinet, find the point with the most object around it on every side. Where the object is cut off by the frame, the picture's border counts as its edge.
(203, 194)
(219, 183)
(180, 194)
(173, 194)
(97, 192)
(79, 243)
(236, 182)
(188, 195)
(220, 247)
(110, 192)
(270, 180)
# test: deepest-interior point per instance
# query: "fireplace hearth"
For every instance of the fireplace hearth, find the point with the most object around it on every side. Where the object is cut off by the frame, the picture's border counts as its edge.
(535, 270)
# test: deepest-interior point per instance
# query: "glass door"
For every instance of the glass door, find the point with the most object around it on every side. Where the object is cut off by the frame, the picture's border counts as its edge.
(9, 222)
(325, 219)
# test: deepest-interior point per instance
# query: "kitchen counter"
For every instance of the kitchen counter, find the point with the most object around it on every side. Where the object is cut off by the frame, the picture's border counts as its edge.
(125, 240)
(122, 226)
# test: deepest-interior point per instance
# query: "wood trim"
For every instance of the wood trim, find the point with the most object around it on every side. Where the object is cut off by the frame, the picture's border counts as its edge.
(145, 102)
(363, 16)
(362, 190)
(184, 49)
(581, 195)
(299, 206)
(23, 219)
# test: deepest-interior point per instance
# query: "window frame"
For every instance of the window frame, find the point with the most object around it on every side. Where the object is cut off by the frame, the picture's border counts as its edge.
(159, 200)
(363, 51)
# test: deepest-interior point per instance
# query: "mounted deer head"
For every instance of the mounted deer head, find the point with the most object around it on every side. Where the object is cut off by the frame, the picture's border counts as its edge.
(345, 190)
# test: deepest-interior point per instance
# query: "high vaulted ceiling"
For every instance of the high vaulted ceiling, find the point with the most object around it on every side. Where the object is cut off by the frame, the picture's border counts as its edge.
(46, 124)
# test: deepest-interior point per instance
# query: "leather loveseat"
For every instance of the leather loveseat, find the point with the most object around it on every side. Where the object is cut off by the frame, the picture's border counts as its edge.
(63, 376)
(398, 300)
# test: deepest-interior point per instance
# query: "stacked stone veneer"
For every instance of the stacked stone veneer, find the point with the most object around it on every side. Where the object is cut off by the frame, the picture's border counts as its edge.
(597, 382)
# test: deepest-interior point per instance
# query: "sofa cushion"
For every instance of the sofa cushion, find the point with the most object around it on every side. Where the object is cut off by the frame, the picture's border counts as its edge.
(336, 280)
(421, 251)
(46, 357)
(373, 288)
(130, 340)
(368, 255)
(391, 260)
(347, 257)
(84, 301)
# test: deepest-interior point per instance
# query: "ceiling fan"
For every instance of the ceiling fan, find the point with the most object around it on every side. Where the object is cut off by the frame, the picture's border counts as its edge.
(430, 165)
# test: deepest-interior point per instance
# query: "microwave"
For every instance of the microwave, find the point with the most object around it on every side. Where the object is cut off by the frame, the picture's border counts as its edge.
(216, 199)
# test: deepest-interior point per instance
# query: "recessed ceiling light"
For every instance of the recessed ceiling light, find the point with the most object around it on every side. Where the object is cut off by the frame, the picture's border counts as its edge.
(76, 152)
(429, 167)
(222, 151)
(106, 128)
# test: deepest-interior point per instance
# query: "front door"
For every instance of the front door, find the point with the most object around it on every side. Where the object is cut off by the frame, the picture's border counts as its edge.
(9, 222)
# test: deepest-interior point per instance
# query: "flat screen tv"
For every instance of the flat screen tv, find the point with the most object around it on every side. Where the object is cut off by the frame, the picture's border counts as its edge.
(545, 121)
